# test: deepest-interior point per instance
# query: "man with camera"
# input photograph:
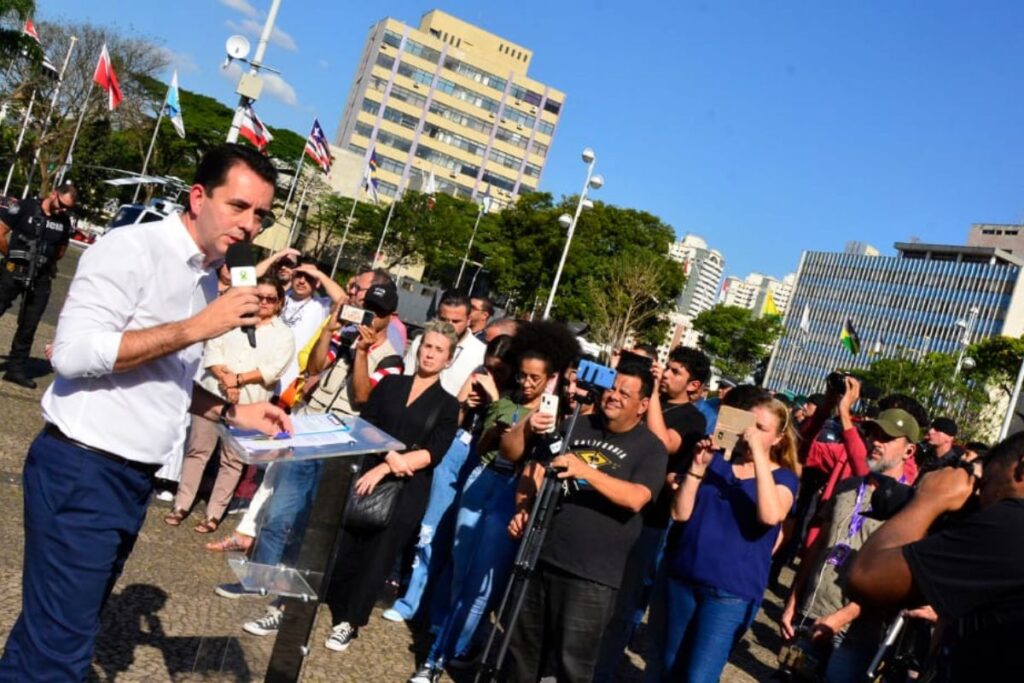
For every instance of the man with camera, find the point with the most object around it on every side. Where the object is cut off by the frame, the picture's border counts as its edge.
(613, 467)
(33, 237)
(818, 607)
(679, 425)
(971, 571)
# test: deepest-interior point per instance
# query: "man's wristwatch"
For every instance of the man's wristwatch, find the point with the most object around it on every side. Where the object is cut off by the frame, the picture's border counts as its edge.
(222, 414)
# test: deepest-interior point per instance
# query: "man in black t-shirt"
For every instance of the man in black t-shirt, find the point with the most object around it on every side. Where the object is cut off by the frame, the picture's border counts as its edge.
(679, 426)
(971, 572)
(33, 236)
(613, 467)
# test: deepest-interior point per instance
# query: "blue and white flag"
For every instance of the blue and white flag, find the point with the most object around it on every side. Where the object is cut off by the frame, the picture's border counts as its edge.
(172, 106)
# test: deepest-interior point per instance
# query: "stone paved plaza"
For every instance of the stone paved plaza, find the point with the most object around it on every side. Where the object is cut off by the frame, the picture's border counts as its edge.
(164, 622)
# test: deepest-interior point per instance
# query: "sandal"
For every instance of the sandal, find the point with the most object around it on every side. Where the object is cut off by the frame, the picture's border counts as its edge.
(207, 526)
(176, 517)
(231, 544)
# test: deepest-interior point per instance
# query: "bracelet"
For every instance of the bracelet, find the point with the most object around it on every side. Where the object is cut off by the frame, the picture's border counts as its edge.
(238, 381)
(693, 474)
(222, 414)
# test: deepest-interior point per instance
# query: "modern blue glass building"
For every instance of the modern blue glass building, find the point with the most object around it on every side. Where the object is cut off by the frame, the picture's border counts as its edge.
(905, 305)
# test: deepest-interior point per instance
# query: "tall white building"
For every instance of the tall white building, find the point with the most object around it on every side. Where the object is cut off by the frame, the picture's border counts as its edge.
(703, 267)
(752, 292)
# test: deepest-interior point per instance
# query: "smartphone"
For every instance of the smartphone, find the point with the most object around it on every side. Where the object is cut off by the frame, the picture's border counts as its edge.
(549, 406)
(731, 424)
(355, 315)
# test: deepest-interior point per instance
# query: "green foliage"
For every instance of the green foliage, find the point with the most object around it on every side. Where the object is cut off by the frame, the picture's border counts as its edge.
(997, 361)
(13, 14)
(735, 340)
(930, 381)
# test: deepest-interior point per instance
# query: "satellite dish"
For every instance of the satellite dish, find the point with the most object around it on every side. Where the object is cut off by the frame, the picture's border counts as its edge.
(237, 47)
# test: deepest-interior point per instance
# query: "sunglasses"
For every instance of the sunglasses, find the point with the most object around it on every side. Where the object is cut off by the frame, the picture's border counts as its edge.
(267, 299)
(61, 206)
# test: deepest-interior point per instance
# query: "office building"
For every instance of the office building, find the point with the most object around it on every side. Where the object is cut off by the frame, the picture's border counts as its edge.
(906, 305)
(860, 249)
(451, 98)
(752, 292)
(997, 236)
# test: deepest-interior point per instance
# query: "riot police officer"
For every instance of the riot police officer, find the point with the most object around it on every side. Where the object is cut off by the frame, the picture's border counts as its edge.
(34, 235)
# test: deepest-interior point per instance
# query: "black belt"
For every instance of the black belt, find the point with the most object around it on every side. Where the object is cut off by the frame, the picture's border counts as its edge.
(503, 468)
(146, 468)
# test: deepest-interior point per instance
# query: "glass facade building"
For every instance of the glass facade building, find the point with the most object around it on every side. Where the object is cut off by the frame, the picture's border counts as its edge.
(907, 305)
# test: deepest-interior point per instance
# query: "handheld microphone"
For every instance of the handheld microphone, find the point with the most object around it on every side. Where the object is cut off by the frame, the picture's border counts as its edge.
(242, 265)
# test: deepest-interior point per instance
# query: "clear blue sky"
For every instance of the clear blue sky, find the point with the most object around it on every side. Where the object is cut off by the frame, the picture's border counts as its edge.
(766, 127)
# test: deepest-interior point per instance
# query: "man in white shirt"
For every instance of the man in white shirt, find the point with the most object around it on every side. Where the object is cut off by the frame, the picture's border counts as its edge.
(128, 345)
(469, 353)
(304, 312)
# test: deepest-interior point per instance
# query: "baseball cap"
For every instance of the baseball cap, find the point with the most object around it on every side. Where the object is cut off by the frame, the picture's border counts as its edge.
(944, 425)
(382, 299)
(897, 422)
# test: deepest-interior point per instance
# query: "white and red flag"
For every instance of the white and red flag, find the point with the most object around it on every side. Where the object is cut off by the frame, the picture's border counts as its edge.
(252, 129)
(105, 77)
(30, 30)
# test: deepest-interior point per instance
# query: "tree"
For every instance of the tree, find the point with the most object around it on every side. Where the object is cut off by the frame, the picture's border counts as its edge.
(997, 361)
(735, 340)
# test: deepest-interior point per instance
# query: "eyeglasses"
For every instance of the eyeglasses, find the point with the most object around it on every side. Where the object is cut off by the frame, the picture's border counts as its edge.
(267, 299)
(532, 379)
(61, 206)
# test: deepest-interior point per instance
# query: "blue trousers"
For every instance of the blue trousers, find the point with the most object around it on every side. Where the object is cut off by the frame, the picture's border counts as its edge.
(481, 561)
(631, 601)
(436, 530)
(287, 511)
(83, 513)
(702, 626)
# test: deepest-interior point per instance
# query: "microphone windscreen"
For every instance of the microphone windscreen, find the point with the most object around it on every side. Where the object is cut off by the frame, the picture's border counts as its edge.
(240, 255)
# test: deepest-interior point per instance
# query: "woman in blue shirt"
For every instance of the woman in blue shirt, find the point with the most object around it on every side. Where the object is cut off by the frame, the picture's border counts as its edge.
(718, 571)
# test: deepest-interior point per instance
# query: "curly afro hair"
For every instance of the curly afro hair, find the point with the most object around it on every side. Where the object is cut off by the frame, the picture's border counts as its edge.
(546, 339)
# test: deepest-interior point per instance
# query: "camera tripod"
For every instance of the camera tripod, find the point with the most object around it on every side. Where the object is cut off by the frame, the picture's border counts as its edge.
(525, 564)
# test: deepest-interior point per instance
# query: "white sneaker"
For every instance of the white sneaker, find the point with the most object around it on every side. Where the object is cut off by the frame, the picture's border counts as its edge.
(341, 637)
(165, 496)
(425, 674)
(266, 625)
(391, 614)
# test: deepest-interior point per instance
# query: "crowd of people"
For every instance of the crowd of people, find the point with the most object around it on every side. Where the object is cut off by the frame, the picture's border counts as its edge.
(900, 537)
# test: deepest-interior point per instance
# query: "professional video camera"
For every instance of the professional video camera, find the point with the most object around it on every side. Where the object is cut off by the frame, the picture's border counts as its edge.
(836, 384)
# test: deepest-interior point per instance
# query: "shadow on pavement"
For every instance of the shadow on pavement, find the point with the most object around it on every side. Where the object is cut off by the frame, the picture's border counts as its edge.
(130, 621)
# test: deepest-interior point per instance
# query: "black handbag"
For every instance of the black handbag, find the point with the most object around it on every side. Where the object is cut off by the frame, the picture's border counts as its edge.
(375, 510)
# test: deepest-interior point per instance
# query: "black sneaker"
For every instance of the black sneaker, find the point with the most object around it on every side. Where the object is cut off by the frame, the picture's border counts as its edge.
(19, 378)
(341, 637)
(426, 674)
(266, 625)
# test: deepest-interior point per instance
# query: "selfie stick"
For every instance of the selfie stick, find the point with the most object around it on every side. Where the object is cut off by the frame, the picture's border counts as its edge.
(525, 564)
(890, 638)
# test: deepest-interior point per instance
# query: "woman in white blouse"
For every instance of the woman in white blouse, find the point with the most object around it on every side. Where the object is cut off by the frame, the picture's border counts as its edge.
(239, 373)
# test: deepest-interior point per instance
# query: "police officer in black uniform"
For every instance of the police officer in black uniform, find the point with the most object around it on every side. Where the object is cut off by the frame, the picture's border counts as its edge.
(34, 235)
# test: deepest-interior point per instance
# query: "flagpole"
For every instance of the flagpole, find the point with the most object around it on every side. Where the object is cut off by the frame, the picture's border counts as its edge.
(387, 222)
(149, 152)
(21, 138)
(344, 236)
(49, 113)
(462, 268)
(298, 210)
(295, 182)
(74, 137)
(255, 63)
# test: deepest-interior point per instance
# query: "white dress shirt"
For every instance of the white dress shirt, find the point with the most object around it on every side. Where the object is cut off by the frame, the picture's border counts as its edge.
(275, 349)
(135, 278)
(469, 355)
(304, 318)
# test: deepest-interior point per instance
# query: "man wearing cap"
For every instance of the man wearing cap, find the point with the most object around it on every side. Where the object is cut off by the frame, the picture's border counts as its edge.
(819, 600)
(942, 450)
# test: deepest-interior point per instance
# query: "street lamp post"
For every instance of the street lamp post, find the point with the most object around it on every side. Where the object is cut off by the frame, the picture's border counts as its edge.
(567, 221)
(251, 91)
(968, 326)
(462, 268)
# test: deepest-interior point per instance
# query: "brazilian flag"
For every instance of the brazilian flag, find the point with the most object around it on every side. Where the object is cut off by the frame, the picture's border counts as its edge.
(849, 338)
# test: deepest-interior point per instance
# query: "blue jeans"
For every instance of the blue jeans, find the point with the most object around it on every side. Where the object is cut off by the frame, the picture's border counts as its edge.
(852, 653)
(481, 561)
(83, 513)
(436, 529)
(631, 601)
(702, 626)
(287, 512)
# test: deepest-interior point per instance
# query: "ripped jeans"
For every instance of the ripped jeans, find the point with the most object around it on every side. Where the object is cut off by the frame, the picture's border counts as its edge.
(436, 528)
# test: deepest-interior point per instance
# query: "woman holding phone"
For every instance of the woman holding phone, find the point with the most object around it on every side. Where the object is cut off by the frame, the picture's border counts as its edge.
(483, 551)
(733, 512)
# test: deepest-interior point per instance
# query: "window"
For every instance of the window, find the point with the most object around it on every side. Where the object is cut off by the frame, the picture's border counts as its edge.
(391, 38)
(553, 107)
(546, 128)
(386, 61)
(506, 160)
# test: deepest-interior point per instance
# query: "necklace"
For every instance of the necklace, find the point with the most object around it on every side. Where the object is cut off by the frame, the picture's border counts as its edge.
(292, 317)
